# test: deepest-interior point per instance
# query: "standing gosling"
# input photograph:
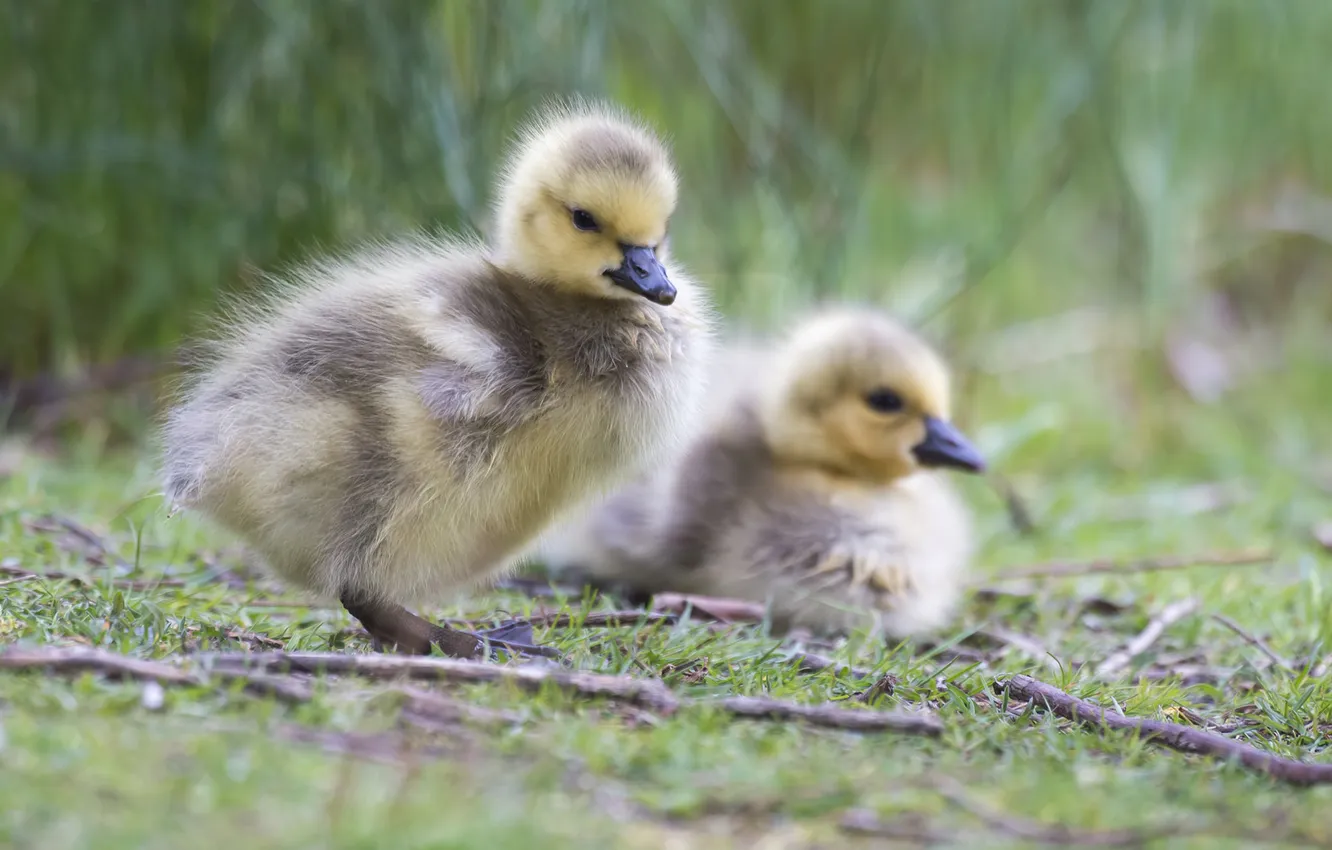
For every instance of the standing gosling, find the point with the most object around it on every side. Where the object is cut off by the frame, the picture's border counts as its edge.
(399, 423)
(811, 485)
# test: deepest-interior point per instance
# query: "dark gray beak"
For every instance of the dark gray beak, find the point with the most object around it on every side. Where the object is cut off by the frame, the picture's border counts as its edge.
(643, 274)
(944, 445)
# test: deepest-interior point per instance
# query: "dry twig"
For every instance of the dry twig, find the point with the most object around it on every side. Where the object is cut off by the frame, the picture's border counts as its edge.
(87, 581)
(264, 602)
(282, 688)
(1023, 643)
(832, 716)
(1254, 641)
(1321, 668)
(649, 693)
(810, 662)
(1065, 569)
(73, 661)
(864, 822)
(1171, 614)
(715, 607)
(254, 672)
(599, 619)
(91, 546)
(1044, 833)
(884, 686)
(77, 660)
(431, 710)
(1175, 736)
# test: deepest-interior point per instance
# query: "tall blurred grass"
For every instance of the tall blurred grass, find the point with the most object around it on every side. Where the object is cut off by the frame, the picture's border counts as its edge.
(976, 161)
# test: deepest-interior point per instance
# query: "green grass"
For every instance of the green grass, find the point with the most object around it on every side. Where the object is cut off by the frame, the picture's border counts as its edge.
(87, 765)
(153, 154)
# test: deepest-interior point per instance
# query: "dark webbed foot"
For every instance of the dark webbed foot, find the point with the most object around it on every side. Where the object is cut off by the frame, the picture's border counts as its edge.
(392, 626)
(514, 637)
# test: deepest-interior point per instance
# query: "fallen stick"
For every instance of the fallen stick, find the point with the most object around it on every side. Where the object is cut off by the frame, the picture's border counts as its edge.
(264, 602)
(78, 660)
(862, 822)
(281, 688)
(1175, 736)
(1064, 569)
(73, 661)
(721, 609)
(57, 575)
(1046, 833)
(427, 708)
(600, 619)
(1254, 641)
(859, 720)
(95, 549)
(1169, 615)
(539, 588)
(254, 671)
(809, 662)
(1022, 643)
(649, 693)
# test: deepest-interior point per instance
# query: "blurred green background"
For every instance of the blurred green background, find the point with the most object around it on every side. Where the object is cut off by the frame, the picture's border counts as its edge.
(1107, 212)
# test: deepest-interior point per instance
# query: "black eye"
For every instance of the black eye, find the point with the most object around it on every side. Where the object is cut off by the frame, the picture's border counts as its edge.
(583, 220)
(884, 401)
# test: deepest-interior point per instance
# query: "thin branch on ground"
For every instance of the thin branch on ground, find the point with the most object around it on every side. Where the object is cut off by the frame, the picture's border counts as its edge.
(714, 607)
(430, 709)
(89, 581)
(22, 578)
(860, 720)
(809, 662)
(953, 653)
(264, 602)
(255, 639)
(1023, 643)
(865, 822)
(600, 619)
(1254, 641)
(255, 672)
(910, 828)
(862, 822)
(1175, 736)
(1045, 833)
(1065, 569)
(1188, 674)
(94, 548)
(73, 661)
(385, 747)
(1322, 533)
(1169, 615)
(282, 688)
(1322, 668)
(1019, 515)
(649, 693)
(539, 588)
(884, 686)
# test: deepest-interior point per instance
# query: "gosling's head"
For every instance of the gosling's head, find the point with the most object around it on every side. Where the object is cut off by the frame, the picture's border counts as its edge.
(861, 396)
(584, 204)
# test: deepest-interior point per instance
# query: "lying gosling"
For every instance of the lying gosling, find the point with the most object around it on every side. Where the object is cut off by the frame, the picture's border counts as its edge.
(811, 485)
(398, 424)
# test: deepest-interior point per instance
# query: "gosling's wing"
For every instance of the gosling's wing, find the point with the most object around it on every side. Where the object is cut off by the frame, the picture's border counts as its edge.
(708, 495)
(458, 395)
(487, 368)
(805, 555)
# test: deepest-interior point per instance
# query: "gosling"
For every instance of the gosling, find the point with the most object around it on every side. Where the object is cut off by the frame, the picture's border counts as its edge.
(397, 424)
(812, 485)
